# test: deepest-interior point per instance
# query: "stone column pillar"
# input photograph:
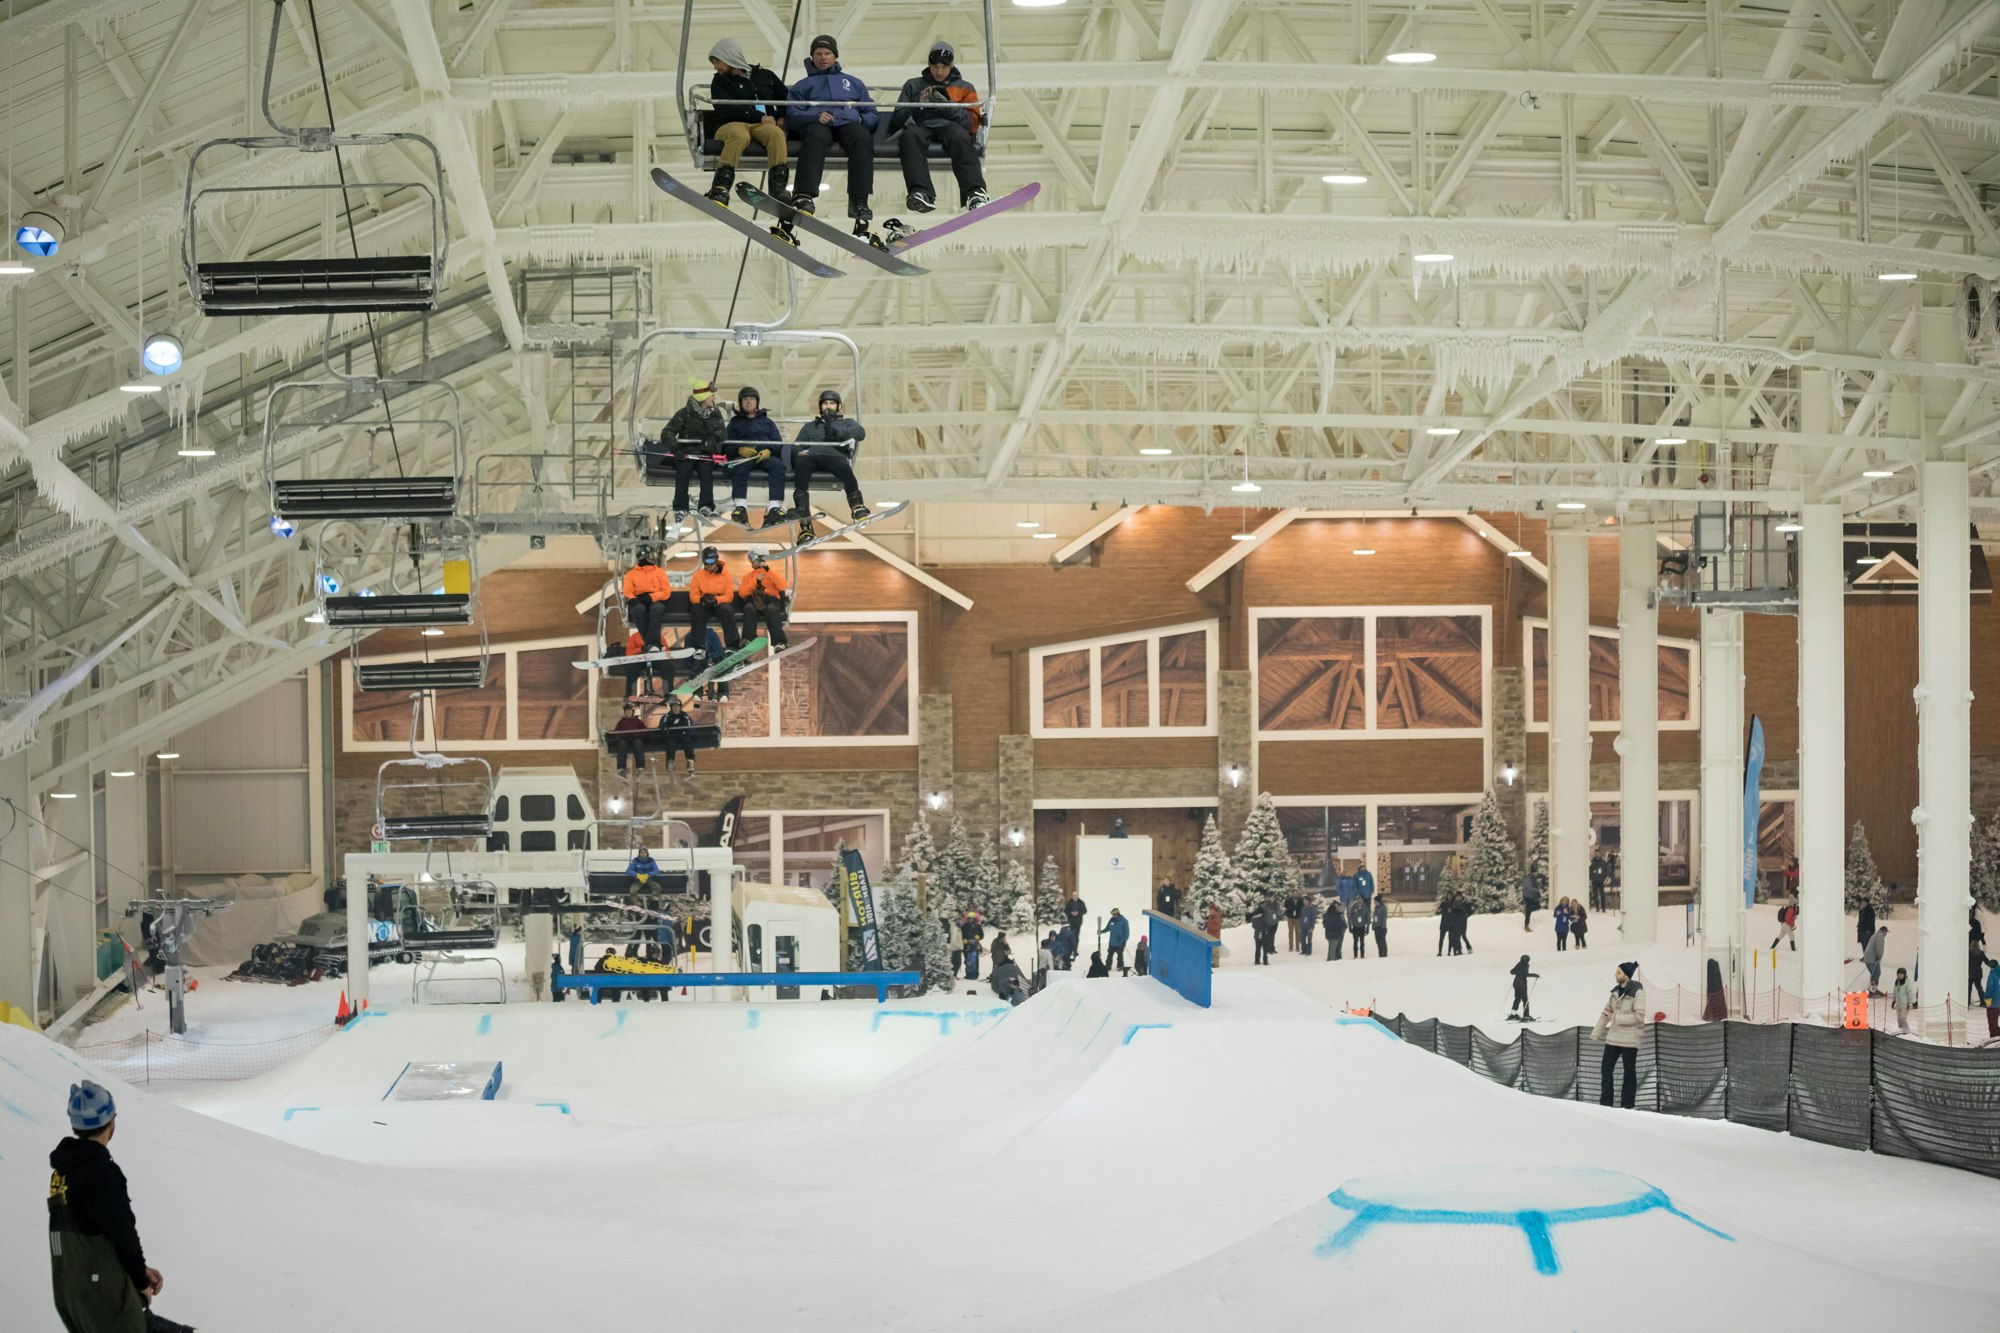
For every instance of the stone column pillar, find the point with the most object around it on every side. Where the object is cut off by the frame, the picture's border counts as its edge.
(1510, 746)
(1639, 735)
(1822, 807)
(935, 745)
(1944, 721)
(1017, 798)
(1235, 743)
(1569, 714)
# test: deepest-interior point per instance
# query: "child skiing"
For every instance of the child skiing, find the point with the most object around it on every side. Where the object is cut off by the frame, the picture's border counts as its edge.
(1521, 975)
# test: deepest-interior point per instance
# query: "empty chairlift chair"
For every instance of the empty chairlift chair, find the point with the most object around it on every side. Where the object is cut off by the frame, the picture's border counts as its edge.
(420, 420)
(450, 673)
(449, 798)
(454, 603)
(317, 285)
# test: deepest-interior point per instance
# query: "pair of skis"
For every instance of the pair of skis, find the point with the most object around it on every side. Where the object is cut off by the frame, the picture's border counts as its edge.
(821, 537)
(739, 663)
(886, 257)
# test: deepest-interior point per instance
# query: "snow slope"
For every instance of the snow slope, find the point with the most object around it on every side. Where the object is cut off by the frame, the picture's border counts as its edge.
(1106, 1155)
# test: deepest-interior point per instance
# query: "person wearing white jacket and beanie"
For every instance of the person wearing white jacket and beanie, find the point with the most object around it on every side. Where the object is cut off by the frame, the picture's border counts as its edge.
(1619, 1028)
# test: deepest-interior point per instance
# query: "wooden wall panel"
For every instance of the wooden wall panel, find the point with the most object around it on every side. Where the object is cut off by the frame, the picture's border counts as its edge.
(1371, 767)
(1882, 730)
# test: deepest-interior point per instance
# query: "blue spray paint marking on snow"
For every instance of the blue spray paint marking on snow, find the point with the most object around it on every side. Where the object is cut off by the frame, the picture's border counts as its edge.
(24, 1114)
(944, 1017)
(1136, 1028)
(291, 1111)
(1367, 1023)
(560, 1106)
(750, 1017)
(617, 1025)
(1095, 1035)
(485, 1024)
(1537, 1224)
(1074, 1010)
(362, 1017)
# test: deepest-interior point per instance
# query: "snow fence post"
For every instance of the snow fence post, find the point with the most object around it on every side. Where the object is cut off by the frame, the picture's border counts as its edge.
(1181, 958)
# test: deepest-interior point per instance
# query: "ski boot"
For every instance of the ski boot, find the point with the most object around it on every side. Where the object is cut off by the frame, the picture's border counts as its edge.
(977, 199)
(718, 186)
(806, 530)
(680, 518)
(863, 215)
(778, 184)
(920, 201)
(855, 508)
(774, 516)
(803, 203)
(740, 516)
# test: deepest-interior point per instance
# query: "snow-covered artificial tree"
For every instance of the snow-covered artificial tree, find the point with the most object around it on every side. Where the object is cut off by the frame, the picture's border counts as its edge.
(1538, 846)
(900, 926)
(919, 851)
(1864, 881)
(1048, 897)
(934, 953)
(1014, 908)
(986, 883)
(1490, 879)
(1263, 861)
(1210, 880)
(954, 879)
(1986, 863)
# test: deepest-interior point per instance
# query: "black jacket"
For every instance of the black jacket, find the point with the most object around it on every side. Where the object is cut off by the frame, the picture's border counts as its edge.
(1073, 910)
(1005, 978)
(956, 106)
(87, 1195)
(1521, 974)
(838, 431)
(758, 85)
(704, 428)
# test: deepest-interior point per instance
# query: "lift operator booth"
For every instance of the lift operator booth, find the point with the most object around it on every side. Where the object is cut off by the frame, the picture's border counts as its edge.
(1113, 872)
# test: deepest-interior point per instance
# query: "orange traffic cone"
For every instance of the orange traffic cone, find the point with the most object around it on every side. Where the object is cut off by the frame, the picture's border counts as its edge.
(364, 1004)
(341, 1015)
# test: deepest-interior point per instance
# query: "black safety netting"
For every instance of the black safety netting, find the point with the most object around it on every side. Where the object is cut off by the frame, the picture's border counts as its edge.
(1853, 1089)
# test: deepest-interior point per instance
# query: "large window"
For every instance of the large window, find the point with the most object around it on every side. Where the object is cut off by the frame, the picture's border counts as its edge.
(1405, 841)
(1336, 672)
(853, 684)
(1159, 683)
(1677, 680)
(798, 846)
(1676, 835)
(533, 699)
(1327, 841)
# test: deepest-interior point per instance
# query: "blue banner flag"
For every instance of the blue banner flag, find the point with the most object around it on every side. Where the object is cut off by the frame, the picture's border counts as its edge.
(1753, 808)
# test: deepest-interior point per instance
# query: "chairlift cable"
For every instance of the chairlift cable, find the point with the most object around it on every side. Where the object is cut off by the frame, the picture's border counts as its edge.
(729, 321)
(347, 214)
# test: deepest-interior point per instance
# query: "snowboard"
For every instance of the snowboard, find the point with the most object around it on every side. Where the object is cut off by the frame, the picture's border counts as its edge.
(830, 534)
(762, 662)
(790, 253)
(716, 670)
(902, 238)
(877, 255)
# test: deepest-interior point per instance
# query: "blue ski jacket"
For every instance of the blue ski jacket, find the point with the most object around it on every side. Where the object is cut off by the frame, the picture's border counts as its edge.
(643, 864)
(753, 426)
(1118, 930)
(829, 85)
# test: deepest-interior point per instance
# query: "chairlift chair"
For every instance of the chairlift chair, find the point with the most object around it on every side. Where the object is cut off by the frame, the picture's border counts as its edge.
(454, 801)
(454, 604)
(305, 409)
(455, 673)
(323, 285)
(697, 108)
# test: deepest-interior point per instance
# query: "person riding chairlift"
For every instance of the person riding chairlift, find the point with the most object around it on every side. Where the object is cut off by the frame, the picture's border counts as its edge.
(762, 595)
(710, 592)
(818, 446)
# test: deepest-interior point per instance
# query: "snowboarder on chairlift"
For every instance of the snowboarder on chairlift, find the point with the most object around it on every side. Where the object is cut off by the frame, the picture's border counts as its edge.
(826, 107)
(748, 100)
(677, 728)
(762, 596)
(1521, 975)
(939, 106)
(754, 445)
(711, 591)
(819, 446)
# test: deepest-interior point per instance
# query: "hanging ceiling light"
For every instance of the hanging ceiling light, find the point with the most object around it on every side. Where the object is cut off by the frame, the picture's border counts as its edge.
(1440, 432)
(40, 234)
(1790, 525)
(1895, 277)
(282, 527)
(1878, 473)
(1571, 504)
(1344, 178)
(1434, 257)
(140, 386)
(1027, 523)
(10, 268)
(161, 353)
(1670, 440)
(1156, 451)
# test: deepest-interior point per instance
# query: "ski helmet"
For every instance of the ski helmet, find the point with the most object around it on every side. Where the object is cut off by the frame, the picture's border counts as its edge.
(645, 557)
(749, 391)
(829, 396)
(710, 556)
(759, 555)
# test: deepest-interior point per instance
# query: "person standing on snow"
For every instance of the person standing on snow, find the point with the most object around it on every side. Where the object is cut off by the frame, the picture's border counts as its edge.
(1336, 929)
(1357, 925)
(1619, 1028)
(827, 107)
(972, 938)
(1308, 918)
(1521, 975)
(1116, 931)
(1993, 1004)
(1871, 958)
(1295, 906)
(1381, 925)
(1788, 917)
(1901, 998)
(1142, 957)
(1562, 925)
(939, 106)
(1579, 923)
(97, 1266)
(1263, 932)
(1864, 925)
(1073, 911)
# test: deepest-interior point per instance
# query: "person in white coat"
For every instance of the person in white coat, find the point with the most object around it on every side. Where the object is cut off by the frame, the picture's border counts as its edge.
(1619, 1028)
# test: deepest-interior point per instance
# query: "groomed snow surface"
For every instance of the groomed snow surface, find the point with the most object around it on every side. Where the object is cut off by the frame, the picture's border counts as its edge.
(1105, 1157)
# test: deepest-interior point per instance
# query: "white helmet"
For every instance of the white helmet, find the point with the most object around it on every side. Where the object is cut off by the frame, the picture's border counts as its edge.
(759, 554)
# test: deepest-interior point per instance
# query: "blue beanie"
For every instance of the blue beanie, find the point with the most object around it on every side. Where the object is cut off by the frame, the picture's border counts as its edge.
(90, 1107)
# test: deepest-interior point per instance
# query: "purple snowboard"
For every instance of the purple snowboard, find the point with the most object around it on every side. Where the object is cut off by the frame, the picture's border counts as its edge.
(964, 220)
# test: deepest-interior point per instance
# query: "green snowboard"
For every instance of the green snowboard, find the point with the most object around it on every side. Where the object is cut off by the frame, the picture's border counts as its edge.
(729, 661)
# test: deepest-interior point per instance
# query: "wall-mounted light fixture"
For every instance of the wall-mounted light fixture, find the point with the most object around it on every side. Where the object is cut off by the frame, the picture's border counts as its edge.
(1508, 773)
(1234, 773)
(936, 800)
(1016, 835)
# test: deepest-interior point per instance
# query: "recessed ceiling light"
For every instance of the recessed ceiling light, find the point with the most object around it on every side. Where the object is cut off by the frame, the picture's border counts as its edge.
(1571, 504)
(1878, 473)
(1434, 257)
(1045, 536)
(1895, 277)
(1156, 452)
(1670, 439)
(168, 754)
(1400, 57)
(1246, 487)
(1440, 430)
(62, 796)
(1789, 526)
(140, 388)
(1243, 536)
(1027, 523)
(123, 773)
(1344, 178)
(1364, 550)
(1521, 553)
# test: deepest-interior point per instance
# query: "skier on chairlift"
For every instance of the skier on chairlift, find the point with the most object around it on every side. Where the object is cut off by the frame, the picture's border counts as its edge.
(818, 446)
(762, 595)
(754, 445)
